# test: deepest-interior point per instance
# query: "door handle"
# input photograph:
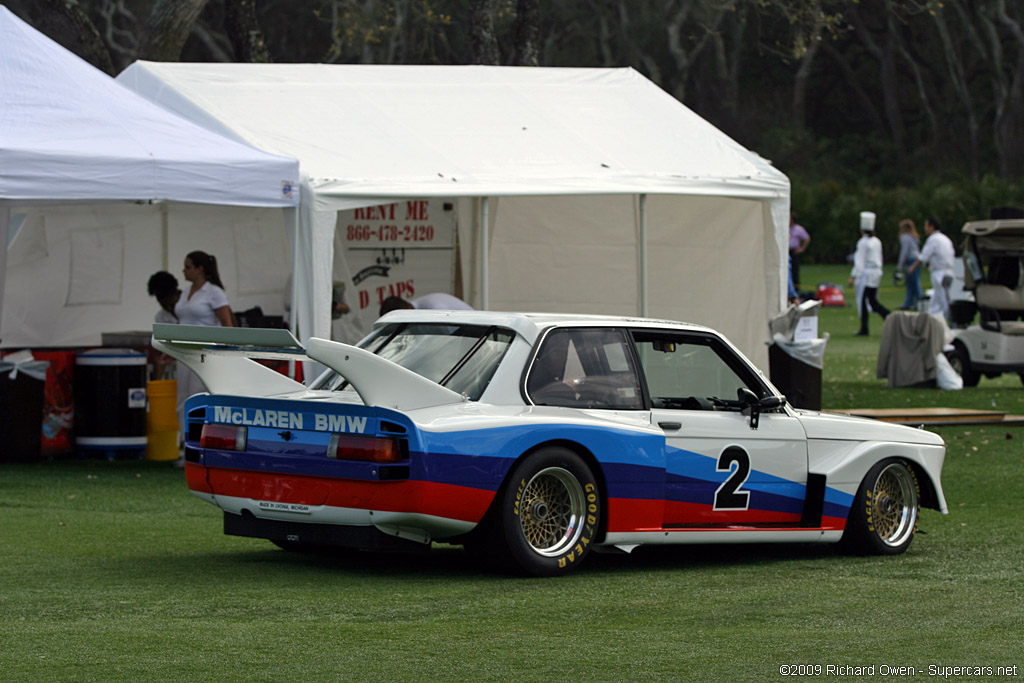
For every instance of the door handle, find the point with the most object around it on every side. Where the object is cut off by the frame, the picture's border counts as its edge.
(670, 426)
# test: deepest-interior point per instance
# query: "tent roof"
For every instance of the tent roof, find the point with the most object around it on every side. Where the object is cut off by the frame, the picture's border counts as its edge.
(417, 131)
(70, 132)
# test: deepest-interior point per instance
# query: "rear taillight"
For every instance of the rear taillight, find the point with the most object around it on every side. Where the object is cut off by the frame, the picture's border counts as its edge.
(223, 437)
(365, 448)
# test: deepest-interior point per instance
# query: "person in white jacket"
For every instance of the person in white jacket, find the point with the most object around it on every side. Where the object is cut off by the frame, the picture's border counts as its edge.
(938, 254)
(867, 272)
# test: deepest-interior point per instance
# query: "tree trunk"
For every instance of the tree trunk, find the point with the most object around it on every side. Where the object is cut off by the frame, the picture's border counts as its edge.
(244, 31)
(885, 54)
(1009, 123)
(66, 23)
(168, 28)
(803, 73)
(527, 52)
(958, 81)
(482, 37)
(860, 96)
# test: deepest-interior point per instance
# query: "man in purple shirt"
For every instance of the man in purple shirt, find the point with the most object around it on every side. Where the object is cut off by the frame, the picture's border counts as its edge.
(798, 241)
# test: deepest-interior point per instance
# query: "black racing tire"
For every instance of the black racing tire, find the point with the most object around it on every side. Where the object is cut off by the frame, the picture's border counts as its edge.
(961, 362)
(884, 516)
(547, 514)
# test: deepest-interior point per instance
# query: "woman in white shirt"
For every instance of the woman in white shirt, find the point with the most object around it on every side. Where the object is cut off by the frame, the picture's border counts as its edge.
(867, 274)
(204, 304)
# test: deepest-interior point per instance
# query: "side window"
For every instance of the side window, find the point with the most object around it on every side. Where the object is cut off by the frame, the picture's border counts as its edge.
(689, 373)
(585, 368)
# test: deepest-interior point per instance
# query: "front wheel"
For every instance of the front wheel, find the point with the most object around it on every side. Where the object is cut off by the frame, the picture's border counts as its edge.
(885, 510)
(961, 362)
(548, 513)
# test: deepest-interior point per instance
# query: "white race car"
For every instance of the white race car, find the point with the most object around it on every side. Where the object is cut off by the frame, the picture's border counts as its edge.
(535, 439)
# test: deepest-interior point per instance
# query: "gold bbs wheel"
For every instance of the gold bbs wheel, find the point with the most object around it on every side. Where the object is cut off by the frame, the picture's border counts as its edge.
(894, 503)
(883, 518)
(551, 511)
(548, 514)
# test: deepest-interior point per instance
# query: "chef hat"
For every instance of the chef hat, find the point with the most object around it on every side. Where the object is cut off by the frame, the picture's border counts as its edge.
(867, 221)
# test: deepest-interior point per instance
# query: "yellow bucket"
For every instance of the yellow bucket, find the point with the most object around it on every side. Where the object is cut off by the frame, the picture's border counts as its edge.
(162, 420)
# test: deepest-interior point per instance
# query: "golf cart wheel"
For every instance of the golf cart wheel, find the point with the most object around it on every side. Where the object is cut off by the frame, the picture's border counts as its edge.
(548, 513)
(961, 362)
(885, 511)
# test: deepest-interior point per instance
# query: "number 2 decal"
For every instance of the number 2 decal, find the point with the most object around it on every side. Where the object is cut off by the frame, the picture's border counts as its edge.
(728, 496)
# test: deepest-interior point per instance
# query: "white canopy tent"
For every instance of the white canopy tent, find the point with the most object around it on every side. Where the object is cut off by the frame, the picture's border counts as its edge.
(578, 190)
(102, 183)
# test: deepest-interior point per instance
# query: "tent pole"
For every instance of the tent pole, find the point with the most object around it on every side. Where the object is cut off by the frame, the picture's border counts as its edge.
(5, 221)
(484, 249)
(643, 255)
(291, 218)
(164, 236)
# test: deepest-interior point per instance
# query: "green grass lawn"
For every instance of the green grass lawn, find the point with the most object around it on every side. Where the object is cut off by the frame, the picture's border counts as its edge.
(113, 571)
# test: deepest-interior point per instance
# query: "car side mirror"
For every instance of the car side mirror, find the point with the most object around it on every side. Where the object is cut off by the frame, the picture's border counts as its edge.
(747, 397)
(757, 405)
(772, 402)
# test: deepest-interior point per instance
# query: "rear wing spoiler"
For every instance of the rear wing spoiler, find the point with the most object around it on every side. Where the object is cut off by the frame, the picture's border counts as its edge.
(256, 339)
(222, 357)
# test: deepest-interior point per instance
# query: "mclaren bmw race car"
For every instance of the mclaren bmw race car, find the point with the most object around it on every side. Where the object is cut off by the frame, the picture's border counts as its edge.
(535, 439)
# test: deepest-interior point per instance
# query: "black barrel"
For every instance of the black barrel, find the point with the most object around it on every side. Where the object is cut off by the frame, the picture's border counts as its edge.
(110, 401)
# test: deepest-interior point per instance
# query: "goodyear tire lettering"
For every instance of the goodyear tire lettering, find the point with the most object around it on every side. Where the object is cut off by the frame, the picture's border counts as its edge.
(550, 514)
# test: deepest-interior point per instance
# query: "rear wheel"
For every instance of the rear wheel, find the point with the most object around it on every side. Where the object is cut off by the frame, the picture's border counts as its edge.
(548, 513)
(961, 362)
(884, 515)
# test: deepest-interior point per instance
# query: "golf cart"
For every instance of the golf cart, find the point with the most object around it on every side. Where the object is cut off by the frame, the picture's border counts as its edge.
(993, 255)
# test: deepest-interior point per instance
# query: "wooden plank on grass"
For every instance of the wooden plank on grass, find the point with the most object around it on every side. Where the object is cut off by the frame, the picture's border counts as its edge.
(936, 416)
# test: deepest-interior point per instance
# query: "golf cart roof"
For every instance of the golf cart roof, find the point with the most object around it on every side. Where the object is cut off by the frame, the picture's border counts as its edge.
(996, 228)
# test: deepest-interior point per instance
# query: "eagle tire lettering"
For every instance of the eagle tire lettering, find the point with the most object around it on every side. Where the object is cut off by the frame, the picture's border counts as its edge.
(548, 518)
(886, 510)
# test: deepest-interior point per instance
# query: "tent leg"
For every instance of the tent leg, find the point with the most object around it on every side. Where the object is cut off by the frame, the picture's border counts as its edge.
(643, 255)
(291, 219)
(484, 251)
(164, 236)
(5, 220)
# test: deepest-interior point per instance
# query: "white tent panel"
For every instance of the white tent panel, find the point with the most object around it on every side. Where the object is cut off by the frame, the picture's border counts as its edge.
(77, 271)
(367, 135)
(534, 267)
(70, 132)
(711, 264)
(69, 277)
(416, 131)
(252, 247)
(97, 266)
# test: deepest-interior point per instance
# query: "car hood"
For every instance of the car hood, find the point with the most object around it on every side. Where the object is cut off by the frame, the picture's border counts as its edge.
(834, 426)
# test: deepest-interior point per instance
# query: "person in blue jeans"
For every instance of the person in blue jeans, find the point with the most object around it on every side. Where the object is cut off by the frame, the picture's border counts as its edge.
(794, 296)
(910, 249)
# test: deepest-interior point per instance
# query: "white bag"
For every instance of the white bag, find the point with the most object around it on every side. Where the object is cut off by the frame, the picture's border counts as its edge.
(945, 375)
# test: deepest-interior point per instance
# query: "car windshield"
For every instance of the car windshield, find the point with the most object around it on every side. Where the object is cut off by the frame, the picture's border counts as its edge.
(462, 358)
